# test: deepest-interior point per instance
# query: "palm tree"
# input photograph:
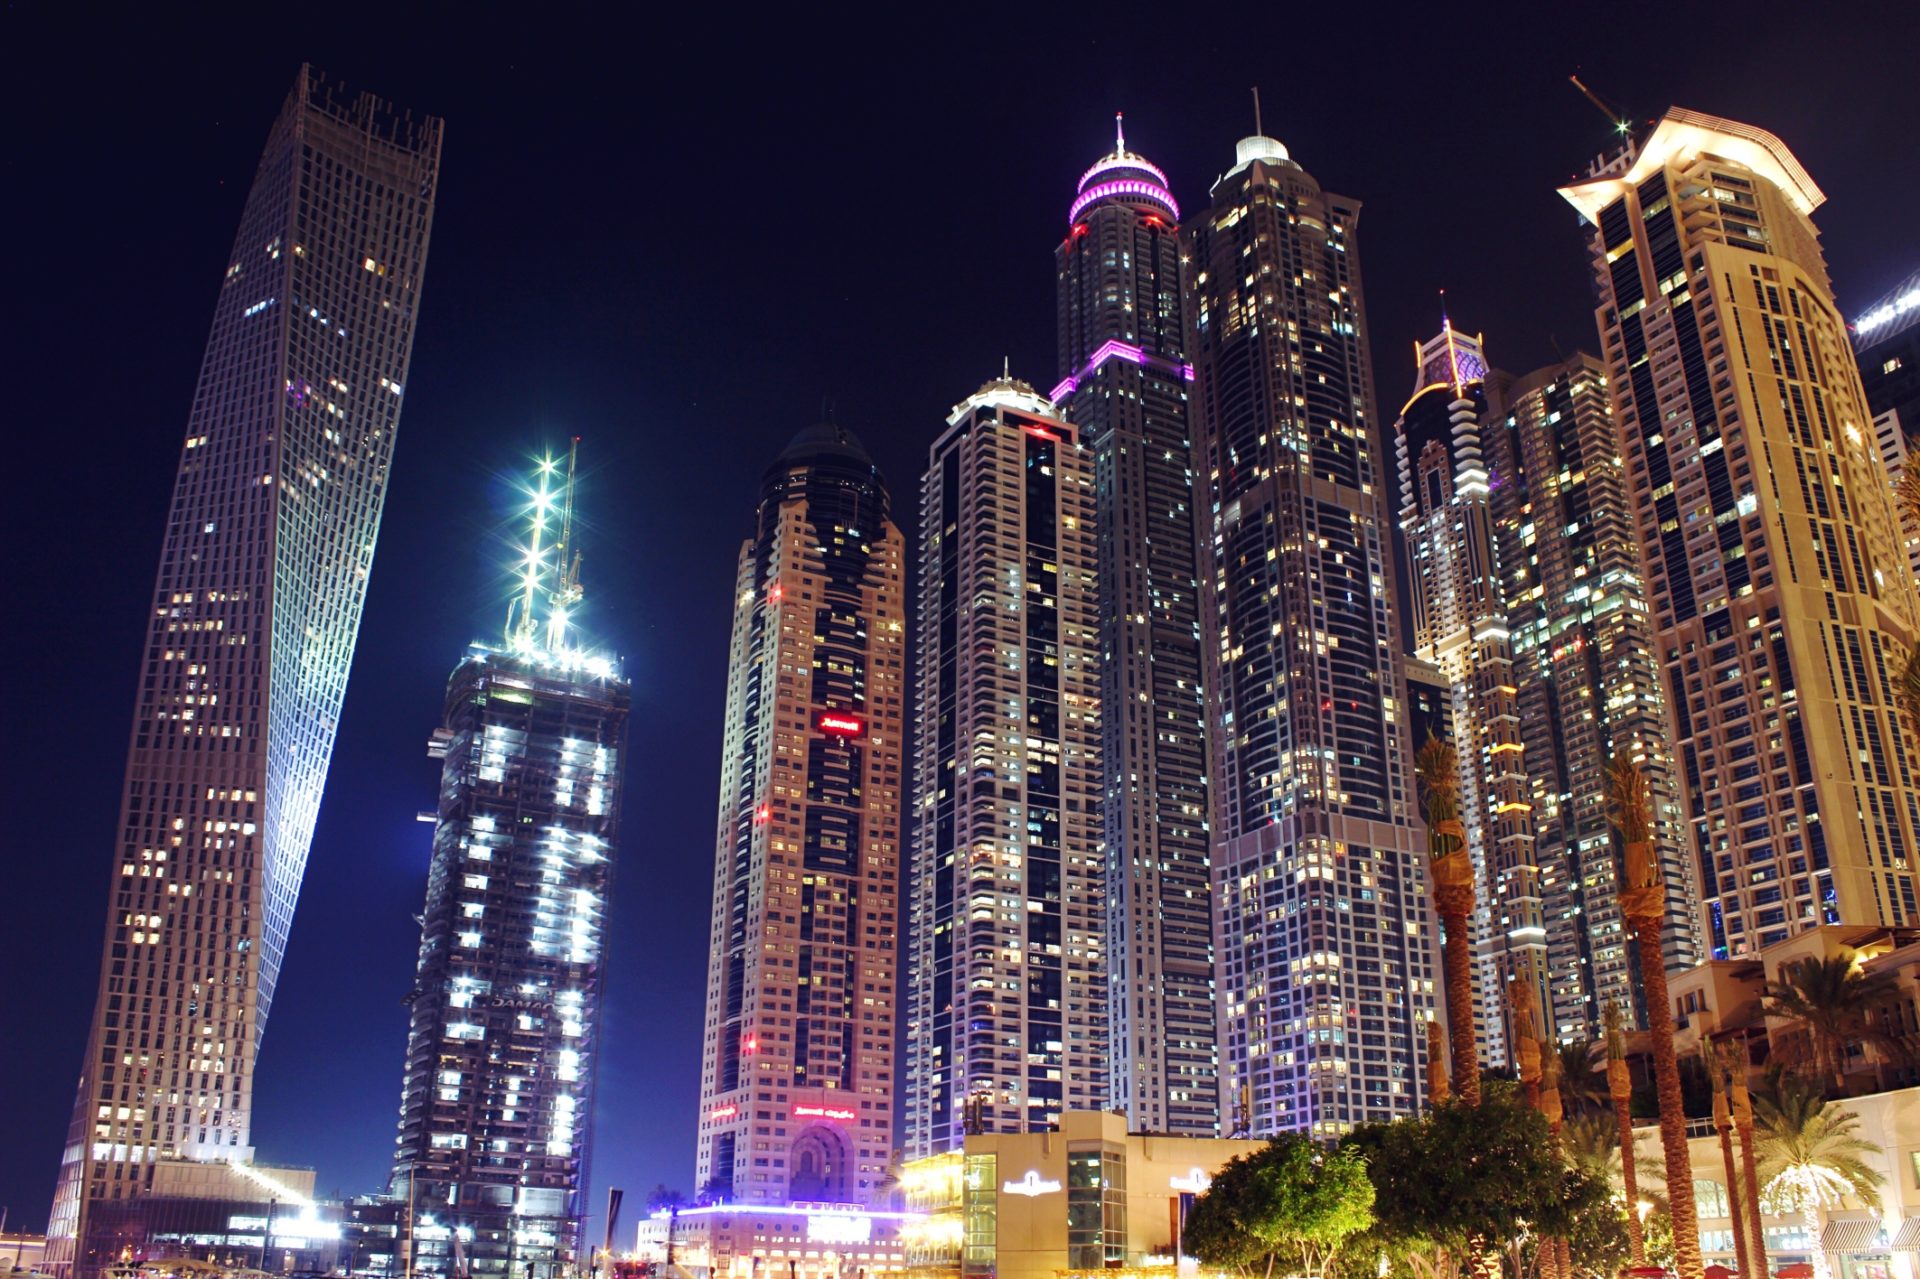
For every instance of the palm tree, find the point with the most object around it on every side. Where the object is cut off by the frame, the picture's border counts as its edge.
(1451, 871)
(1583, 1077)
(1831, 1002)
(1620, 1093)
(1643, 902)
(1811, 1158)
(1593, 1147)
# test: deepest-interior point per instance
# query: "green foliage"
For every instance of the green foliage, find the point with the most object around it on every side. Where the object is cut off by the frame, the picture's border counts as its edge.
(1809, 1152)
(1290, 1205)
(1461, 1179)
(1832, 1004)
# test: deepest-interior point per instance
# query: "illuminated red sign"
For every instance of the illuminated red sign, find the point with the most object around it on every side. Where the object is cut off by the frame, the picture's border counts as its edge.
(840, 724)
(723, 1112)
(841, 1114)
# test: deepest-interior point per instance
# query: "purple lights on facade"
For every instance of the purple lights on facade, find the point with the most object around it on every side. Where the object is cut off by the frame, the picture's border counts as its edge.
(1115, 350)
(1153, 191)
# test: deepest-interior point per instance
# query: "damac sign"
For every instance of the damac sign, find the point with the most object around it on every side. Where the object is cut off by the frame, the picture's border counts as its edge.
(840, 724)
(1032, 1186)
(840, 1114)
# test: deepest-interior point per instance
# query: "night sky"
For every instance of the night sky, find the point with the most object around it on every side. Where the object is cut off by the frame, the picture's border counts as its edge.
(678, 239)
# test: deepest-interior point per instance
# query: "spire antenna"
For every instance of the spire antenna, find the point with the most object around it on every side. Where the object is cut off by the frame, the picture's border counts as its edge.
(1119, 133)
(1259, 131)
(566, 591)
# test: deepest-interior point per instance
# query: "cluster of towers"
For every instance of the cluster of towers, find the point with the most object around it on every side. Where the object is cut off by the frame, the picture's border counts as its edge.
(1143, 830)
(1158, 837)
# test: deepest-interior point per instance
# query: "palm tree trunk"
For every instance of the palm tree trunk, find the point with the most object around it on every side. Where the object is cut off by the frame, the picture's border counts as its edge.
(1811, 1215)
(1673, 1119)
(1741, 1259)
(1461, 1032)
(1750, 1192)
(1620, 1085)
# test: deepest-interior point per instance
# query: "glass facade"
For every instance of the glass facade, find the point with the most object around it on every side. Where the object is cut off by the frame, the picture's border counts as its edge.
(1324, 943)
(263, 571)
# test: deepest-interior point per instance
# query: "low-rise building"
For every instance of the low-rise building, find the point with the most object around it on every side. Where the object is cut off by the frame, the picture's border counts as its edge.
(777, 1241)
(1089, 1198)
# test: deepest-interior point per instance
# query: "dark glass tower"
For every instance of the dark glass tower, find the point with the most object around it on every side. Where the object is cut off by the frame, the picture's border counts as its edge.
(1322, 932)
(796, 1084)
(497, 1100)
(256, 606)
(1124, 380)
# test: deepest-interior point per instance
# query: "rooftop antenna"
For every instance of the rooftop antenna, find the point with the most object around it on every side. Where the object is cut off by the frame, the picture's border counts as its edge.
(1444, 321)
(1006, 368)
(1119, 133)
(1259, 131)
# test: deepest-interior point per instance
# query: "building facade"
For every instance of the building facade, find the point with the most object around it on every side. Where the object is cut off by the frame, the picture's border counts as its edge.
(1007, 1012)
(1124, 380)
(1781, 603)
(1589, 683)
(1886, 342)
(1323, 940)
(1460, 626)
(796, 1085)
(262, 575)
(496, 1099)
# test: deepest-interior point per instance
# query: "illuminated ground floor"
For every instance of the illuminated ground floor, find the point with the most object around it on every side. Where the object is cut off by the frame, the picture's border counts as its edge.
(798, 1241)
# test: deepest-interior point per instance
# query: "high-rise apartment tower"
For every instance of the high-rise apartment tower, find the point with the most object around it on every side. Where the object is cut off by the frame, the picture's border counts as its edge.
(1007, 1012)
(263, 570)
(1323, 941)
(496, 1103)
(1782, 607)
(796, 1083)
(1124, 380)
(1460, 626)
(1589, 685)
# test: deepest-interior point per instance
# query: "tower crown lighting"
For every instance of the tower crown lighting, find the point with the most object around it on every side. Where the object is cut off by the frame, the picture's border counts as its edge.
(1124, 176)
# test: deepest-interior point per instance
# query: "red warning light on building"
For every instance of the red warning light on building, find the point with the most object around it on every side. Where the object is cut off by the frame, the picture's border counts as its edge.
(840, 724)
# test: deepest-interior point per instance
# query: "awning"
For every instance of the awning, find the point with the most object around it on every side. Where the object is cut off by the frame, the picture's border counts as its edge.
(1858, 1235)
(1907, 1239)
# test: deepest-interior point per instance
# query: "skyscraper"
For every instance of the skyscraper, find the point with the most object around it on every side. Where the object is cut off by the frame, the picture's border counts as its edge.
(1460, 625)
(1323, 943)
(796, 1083)
(257, 601)
(1007, 1012)
(1886, 342)
(1583, 659)
(496, 1101)
(1124, 380)
(1781, 604)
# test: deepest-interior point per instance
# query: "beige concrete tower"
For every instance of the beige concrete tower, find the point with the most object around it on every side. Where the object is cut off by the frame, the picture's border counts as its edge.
(1781, 602)
(796, 1084)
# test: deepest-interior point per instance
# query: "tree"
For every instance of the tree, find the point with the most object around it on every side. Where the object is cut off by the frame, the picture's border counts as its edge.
(1810, 1157)
(1583, 1077)
(1643, 902)
(1831, 1002)
(1290, 1204)
(1457, 1184)
(1450, 871)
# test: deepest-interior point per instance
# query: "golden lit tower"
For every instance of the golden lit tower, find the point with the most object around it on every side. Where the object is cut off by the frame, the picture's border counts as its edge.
(796, 1084)
(1781, 601)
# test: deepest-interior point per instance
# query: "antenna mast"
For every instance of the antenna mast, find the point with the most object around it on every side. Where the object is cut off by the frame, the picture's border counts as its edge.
(1259, 131)
(1621, 124)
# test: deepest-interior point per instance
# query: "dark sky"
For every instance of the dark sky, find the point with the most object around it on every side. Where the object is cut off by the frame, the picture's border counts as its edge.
(675, 236)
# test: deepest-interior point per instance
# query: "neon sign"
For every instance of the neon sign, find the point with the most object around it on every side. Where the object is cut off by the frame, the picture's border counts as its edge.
(835, 1228)
(1194, 1183)
(840, 724)
(723, 1112)
(839, 1114)
(1031, 1185)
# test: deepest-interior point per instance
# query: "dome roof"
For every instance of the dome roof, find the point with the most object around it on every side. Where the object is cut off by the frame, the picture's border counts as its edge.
(823, 441)
(1124, 177)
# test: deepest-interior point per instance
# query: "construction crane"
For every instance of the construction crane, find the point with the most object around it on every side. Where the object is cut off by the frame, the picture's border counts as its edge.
(1621, 124)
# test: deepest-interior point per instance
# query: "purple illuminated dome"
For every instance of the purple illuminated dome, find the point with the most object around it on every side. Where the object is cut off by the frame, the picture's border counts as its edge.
(1129, 179)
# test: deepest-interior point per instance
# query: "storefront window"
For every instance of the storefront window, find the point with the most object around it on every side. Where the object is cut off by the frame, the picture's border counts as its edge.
(1096, 1206)
(980, 1212)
